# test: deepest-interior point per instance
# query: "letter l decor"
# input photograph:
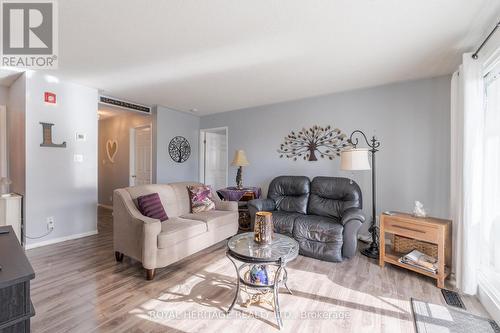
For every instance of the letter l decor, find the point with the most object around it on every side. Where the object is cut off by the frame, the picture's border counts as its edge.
(47, 137)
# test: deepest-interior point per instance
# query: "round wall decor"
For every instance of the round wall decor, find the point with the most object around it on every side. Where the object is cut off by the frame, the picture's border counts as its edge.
(179, 149)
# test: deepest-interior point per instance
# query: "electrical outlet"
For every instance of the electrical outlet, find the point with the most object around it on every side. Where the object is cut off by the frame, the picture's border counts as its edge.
(50, 223)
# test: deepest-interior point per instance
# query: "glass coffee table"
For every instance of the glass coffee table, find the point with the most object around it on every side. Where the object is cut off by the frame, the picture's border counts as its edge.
(258, 262)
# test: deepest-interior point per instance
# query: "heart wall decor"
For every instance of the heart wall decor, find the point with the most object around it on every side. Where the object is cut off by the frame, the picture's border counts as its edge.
(111, 149)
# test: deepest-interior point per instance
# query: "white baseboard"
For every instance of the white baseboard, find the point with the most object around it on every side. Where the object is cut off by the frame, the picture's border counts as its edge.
(60, 239)
(105, 206)
(488, 297)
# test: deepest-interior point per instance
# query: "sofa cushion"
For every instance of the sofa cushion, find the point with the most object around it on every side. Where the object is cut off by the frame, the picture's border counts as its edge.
(322, 251)
(181, 194)
(201, 198)
(214, 218)
(150, 205)
(283, 222)
(165, 192)
(177, 230)
(318, 228)
(290, 193)
(330, 196)
(319, 237)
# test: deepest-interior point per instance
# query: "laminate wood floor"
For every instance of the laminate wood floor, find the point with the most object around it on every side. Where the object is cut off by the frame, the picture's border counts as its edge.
(80, 288)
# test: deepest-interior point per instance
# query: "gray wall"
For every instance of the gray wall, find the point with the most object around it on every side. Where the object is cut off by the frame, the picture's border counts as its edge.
(56, 185)
(4, 93)
(170, 123)
(411, 119)
(116, 175)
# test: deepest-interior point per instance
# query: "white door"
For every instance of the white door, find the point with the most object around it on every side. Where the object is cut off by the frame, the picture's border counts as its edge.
(140, 156)
(215, 158)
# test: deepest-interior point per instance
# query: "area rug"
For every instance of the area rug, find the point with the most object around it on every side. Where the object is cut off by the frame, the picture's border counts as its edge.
(436, 318)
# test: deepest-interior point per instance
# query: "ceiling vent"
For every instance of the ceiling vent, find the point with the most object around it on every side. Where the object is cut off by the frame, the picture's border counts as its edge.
(124, 104)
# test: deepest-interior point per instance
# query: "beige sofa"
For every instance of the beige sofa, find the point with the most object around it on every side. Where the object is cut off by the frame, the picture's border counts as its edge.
(158, 244)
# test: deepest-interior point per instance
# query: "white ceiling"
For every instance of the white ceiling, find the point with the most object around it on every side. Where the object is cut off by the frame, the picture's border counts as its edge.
(221, 55)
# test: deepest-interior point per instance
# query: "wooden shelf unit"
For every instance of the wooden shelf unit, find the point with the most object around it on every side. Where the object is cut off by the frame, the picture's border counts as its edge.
(431, 230)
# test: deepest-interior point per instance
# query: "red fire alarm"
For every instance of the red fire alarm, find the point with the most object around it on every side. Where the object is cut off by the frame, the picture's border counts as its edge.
(50, 97)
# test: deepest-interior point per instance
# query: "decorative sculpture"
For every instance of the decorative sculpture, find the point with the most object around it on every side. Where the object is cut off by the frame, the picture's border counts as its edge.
(258, 275)
(419, 210)
(306, 143)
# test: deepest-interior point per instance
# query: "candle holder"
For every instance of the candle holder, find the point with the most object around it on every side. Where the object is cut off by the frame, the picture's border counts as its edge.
(263, 228)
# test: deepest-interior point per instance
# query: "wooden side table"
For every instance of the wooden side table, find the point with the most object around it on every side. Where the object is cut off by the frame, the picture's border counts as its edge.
(244, 215)
(242, 196)
(430, 230)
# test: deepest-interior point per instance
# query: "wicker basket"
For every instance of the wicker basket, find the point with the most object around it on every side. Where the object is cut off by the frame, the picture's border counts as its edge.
(406, 245)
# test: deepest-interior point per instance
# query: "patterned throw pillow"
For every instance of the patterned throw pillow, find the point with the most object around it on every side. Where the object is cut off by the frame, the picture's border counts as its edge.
(201, 198)
(150, 205)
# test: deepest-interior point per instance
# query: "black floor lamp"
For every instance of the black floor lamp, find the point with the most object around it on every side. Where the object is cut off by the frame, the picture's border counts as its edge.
(357, 159)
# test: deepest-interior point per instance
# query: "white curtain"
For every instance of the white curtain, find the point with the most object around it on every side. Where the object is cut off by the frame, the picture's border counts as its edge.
(467, 137)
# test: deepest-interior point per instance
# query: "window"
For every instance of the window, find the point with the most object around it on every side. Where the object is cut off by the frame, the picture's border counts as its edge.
(490, 222)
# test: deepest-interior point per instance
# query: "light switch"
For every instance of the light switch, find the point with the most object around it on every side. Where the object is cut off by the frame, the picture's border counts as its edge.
(81, 137)
(78, 158)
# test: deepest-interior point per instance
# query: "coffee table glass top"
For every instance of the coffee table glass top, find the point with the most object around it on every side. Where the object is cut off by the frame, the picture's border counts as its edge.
(243, 246)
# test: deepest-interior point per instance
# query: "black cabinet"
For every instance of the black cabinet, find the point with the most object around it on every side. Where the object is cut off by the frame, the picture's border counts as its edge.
(15, 275)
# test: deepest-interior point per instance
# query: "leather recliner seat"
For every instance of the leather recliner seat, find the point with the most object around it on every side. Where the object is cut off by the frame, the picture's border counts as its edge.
(323, 215)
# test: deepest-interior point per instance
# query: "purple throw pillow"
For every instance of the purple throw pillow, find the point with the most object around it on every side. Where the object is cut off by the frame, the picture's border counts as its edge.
(150, 206)
(201, 198)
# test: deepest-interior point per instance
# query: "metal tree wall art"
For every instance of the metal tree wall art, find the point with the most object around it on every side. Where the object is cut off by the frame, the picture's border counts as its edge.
(179, 149)
(327, 142)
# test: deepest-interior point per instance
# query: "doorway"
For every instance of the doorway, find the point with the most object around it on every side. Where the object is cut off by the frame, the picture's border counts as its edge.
(214, 157)
(140, 156)
(125, 151)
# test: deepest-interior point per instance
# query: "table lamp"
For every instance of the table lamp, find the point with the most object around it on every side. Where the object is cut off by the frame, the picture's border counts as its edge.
(240, 160)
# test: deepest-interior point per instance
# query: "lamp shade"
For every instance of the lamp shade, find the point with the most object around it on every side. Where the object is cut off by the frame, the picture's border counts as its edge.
(240, 158)
(354, 159)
